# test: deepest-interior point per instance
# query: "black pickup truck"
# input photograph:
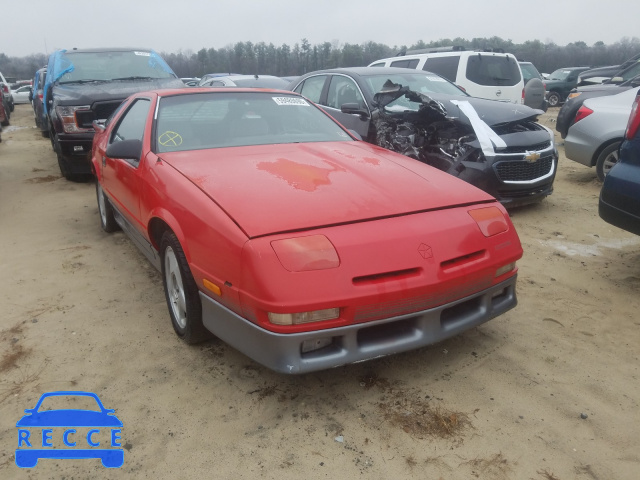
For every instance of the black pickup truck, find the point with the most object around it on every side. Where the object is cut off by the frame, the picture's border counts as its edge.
(83, 85)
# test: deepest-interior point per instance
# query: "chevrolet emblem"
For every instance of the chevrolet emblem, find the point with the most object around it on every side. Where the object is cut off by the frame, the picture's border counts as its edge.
(532, 157)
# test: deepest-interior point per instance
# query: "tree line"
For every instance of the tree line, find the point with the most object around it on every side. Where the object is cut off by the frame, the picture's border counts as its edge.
(267, 59)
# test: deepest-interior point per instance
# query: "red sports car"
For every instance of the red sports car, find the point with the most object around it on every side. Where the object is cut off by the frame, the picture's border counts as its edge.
(280, 233)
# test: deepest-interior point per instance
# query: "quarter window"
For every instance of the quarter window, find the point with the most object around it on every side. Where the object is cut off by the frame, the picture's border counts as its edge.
(446, 67)
(413, 63)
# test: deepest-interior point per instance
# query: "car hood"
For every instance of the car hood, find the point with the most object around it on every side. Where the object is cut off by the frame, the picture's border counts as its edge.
(601, 87)
(269, 189)
(492, 112)
(87, 93)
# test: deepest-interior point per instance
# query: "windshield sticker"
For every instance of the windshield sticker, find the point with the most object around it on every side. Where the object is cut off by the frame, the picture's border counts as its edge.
(433, 78)
(290, 101)
(143, 54)
(170, 139)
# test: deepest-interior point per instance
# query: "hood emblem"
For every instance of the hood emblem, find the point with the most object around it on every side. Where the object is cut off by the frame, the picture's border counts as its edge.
(531, 157)
(498, 93)
(425, 251)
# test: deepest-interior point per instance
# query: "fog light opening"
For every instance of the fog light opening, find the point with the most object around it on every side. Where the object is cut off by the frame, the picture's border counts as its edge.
(316, 344)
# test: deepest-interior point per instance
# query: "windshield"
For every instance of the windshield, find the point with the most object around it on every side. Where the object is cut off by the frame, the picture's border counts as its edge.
(529, 71)
(559, 74)
(631, 71)
(426, 84)
(233, 119)
(418, 82)
(78, 67)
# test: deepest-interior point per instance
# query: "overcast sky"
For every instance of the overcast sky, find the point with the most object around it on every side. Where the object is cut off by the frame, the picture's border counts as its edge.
(41, 26)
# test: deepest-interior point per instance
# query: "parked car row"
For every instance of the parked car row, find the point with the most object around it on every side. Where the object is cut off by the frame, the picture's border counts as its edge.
(189, 171)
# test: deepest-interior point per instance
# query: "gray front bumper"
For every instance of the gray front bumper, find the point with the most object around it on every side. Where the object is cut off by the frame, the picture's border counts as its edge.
(358, 342)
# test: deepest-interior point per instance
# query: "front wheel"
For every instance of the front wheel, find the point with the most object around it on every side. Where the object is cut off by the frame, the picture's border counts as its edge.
(181, 292)
(607, 159)
(554, 99)
(107, 219)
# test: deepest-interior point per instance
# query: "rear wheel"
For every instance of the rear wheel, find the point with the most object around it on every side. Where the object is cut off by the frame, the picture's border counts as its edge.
(607, 159)
(181, 292)
(554, 99)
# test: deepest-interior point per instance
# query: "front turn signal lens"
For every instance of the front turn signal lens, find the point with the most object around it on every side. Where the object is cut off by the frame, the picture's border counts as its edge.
(302, 254)
(304, 317)
(490, 220)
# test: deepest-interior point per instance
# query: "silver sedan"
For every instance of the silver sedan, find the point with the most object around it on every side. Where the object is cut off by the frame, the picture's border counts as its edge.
(595, 137)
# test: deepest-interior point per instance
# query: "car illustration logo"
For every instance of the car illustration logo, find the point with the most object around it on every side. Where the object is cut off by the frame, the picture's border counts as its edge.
(76, 433)
(532, 157)
(425, 251)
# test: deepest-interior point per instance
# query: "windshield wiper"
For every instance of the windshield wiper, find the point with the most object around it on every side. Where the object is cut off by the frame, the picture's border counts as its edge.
(133, 78)
(89, 80)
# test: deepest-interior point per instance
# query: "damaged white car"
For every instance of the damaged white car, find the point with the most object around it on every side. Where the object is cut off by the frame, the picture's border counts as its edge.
(498, 147)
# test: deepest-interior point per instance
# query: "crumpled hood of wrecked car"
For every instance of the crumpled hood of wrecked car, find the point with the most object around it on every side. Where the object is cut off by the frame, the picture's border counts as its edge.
(268, 189)
(492, 112)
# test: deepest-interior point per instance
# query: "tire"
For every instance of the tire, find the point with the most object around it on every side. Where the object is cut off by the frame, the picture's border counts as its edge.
(608, 158)
(554, 99)
(107, 219)
(65, 169)
(181, 292)
(7, 115)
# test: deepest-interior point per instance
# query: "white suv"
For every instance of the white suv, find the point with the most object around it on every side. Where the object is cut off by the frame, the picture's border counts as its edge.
(491, 75)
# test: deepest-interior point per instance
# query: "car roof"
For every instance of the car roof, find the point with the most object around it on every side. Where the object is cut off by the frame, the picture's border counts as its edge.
(370, 71)
(106, 49)
(171, 92)
(573, 68)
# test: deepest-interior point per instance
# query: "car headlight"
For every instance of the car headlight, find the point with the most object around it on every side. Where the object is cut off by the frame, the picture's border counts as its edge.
(68, 118)
(302, 254)
(490, 220)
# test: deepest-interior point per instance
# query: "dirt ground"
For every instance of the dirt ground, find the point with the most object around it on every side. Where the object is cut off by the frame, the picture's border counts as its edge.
(548, 391)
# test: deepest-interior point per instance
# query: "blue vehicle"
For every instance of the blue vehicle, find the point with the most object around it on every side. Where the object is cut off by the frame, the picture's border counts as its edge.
(32, 446)
(619, 202)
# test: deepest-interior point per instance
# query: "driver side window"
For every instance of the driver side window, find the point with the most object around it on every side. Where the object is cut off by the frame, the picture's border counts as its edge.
(343, 90)
(133, 122)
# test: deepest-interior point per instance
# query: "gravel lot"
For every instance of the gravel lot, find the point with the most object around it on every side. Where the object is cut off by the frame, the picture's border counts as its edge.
(548, 391)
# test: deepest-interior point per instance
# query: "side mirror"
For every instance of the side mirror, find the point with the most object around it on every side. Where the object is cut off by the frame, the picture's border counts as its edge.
(616, 80)
(354, 109)
(99, 126)
(125, 149)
